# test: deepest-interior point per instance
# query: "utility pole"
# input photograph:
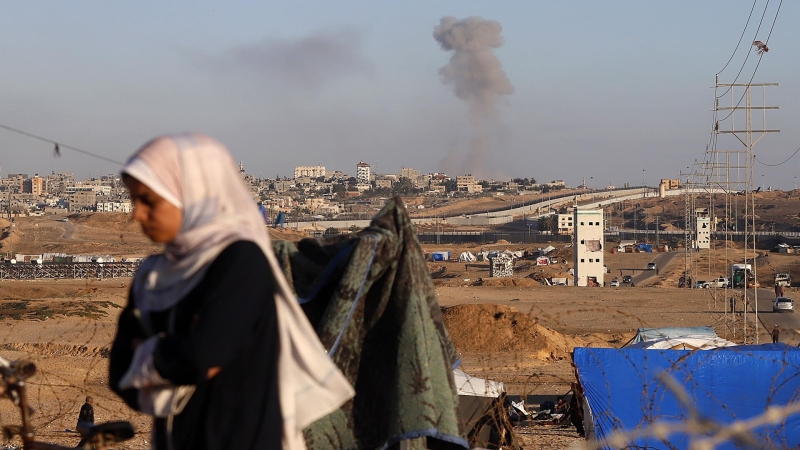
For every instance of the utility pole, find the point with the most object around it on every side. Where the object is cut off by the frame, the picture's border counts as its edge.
(688, 217)
(644, 182)
(746, 138)
(656, 231)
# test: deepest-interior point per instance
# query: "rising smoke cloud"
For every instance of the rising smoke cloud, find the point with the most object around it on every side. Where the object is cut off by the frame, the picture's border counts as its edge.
(477, 77)
(307, 62)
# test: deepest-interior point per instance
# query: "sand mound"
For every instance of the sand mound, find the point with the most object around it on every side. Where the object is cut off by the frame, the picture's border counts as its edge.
(106, 221)
(506, 281)
(25, 292)
(51, 349)
(497, 328)
(286, 234)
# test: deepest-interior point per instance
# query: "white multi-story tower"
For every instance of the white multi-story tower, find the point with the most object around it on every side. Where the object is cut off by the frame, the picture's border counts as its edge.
(363, 173)
(589, 240)
(703, 238)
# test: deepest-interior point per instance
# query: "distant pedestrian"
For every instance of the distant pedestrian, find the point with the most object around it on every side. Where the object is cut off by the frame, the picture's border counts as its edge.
(85, 419)
(776, 332)
(86, 416)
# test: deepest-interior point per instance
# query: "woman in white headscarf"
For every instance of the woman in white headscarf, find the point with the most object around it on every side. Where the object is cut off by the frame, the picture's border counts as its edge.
(212, 342)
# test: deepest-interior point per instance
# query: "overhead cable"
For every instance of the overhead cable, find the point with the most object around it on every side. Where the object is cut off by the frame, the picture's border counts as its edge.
(60, 145)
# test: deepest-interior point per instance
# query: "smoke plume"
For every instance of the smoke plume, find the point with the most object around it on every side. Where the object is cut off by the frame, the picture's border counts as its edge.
(476, 75)
(307, 62)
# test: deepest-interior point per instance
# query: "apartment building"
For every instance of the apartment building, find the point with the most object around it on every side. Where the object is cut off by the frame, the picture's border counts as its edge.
(467, 183)
(309, 171)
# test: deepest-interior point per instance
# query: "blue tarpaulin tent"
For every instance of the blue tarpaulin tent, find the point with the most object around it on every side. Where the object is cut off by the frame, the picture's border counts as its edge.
(440, 256)
(625, 391)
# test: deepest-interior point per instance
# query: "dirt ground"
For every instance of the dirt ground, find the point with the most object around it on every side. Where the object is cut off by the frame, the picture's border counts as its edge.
(515, 330)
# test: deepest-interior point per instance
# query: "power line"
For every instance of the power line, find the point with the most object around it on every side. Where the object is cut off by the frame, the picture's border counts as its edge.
(755, 36)
(759, 58)
(740, 37)
(780, 163)
(712, 141)
(59, 145)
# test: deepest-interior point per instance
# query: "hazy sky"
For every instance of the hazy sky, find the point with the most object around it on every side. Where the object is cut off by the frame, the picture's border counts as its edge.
(612, 91)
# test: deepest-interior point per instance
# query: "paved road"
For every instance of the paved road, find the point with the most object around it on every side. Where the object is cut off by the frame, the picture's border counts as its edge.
(70, 228)
(788, 323)
(648, 276)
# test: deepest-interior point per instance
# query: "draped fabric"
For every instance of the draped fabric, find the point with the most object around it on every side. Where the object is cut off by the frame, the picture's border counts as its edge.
(373, 304)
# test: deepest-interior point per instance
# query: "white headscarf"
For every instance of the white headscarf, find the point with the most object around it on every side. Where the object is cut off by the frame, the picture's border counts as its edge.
(197, 174)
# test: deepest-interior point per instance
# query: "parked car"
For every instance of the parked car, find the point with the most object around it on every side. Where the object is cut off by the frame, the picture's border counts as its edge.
(614, 282)
(701, 284)
(721, 282)
(627, 279)
(651, 266)
(782, 304)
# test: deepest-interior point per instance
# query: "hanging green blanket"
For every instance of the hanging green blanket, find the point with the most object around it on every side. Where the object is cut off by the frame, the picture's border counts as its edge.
(372, 301)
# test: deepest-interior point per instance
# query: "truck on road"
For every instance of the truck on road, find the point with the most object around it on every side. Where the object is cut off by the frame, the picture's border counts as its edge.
(783, 279)
(742, 276)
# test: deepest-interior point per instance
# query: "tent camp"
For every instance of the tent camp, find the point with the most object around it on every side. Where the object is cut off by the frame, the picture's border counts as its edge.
(684, 343)
(546, 250)
(440, 256)
(467, 257)
(677, 338)
(479, 403)
(630, 389)
(542, 261)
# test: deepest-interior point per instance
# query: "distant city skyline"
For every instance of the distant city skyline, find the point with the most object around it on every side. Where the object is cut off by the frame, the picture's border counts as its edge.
(589, 182)
(595, 90)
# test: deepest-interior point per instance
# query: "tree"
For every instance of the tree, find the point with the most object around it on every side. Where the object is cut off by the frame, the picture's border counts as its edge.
(404, 187)
(549, 223)
(379, 192)
(331, 231)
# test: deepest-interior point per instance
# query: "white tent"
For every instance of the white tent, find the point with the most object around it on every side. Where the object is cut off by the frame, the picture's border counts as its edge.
(477, 399)
(467, 257)
(547, 249)
(477, 387)
(684, 343)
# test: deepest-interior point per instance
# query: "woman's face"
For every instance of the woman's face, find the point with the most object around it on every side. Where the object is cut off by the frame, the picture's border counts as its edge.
(160, 220)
